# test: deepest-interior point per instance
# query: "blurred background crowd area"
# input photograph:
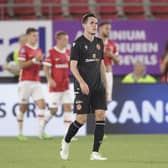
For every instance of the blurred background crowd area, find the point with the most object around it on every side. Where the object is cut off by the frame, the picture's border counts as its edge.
(74, 9)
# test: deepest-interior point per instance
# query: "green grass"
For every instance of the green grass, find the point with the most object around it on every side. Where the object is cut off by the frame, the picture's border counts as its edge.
(123, 151)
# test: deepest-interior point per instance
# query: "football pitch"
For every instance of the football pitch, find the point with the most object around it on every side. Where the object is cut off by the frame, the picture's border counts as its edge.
(123, 151)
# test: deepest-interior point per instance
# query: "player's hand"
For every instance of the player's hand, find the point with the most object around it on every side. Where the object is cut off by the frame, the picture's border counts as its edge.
(84, 88)
(52, 83)
(39, 56)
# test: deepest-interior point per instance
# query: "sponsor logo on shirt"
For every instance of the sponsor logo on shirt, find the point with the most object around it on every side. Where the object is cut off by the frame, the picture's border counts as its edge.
(61, 65)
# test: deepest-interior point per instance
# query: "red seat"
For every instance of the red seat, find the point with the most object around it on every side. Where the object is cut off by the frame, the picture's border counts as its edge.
(52, 9)
(24, 9)
(134, 9)
(107, 9)
(4, 10)
(77, 8)
(159, 8)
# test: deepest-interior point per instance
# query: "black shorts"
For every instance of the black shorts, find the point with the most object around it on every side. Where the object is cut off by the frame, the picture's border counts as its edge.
(84, 104)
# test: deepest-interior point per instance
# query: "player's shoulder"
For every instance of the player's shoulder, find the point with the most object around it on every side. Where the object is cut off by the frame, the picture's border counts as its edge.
(98, 41)
(79, 40)
(111, 42)
(23, 49)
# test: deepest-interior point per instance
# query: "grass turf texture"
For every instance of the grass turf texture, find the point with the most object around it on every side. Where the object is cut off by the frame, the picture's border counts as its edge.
(123, 151)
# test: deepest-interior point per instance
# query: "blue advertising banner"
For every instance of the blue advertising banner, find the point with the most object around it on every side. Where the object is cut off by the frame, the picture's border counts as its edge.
(137, 109)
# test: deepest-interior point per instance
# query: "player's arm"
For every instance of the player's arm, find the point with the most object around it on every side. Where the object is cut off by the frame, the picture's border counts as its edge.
(47, 71)
(83, 85)
(164, 64)
(36, 60)
(12, 69)
(113, 56)
(103, 74)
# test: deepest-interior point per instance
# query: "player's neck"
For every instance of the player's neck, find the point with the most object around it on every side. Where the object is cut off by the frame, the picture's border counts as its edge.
(60, 47)
(104, 39)
(88, 36)
(31, 45)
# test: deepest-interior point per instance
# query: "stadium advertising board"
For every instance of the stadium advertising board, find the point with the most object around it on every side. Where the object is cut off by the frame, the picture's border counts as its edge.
(137, 109)
(136, 40)
(11, 30)
(9, 108)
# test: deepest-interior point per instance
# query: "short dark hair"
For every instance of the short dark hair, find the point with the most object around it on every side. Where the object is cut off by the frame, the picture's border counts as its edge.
(86, 16)
(60, 33)
(31, 30)
(104, 23)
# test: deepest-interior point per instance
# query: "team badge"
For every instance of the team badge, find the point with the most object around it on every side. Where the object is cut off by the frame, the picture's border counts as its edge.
(98, 46)
(78, 107)
(22, 51)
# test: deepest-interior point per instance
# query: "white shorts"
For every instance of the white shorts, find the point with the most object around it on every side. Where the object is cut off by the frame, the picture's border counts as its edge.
(109, 77)
(29, 89)
(57, 98)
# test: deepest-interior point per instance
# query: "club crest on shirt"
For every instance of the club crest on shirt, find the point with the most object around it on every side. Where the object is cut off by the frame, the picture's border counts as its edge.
(22, 51)
(78, 106)
(98, 46)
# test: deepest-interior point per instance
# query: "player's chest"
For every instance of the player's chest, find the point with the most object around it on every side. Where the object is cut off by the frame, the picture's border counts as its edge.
(91, 51)
(31, 53)
(108, 47)
(60, 59)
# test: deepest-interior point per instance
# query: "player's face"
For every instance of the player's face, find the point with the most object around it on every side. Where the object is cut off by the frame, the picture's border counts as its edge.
(33, 38)
(63, 40)
(91, 26)
(105, 30)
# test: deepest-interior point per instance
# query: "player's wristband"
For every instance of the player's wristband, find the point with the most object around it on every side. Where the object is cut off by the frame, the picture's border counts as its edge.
(35, 61)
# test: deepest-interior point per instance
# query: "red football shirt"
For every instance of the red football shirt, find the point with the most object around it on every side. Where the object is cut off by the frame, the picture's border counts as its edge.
(30, 73)
(164, 76)
(109, 45)
(59, 63)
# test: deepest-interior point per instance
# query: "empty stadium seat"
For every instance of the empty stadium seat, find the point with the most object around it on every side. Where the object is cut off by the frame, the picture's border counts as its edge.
(52, 9)
(4, 10)
(106, 9)
(78, 7)
(24, 9)
(159, 8)
(134, 9)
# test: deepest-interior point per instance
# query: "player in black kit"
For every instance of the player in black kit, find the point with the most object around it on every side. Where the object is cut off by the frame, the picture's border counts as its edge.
(87, 66)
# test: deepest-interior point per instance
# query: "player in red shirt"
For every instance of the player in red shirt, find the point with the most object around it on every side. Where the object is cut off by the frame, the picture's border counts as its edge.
(110, 55)
(164, 65)
(56, 67)
(30, 60)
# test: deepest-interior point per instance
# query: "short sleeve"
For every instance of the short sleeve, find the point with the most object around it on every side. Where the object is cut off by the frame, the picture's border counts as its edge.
(22, 54)
(75, 51)
(48, 60)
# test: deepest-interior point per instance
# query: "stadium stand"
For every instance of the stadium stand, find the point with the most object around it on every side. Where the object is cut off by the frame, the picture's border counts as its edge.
(159, 9)
(134, 9)
(78, 7)
(106, 9)
(52, 9)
